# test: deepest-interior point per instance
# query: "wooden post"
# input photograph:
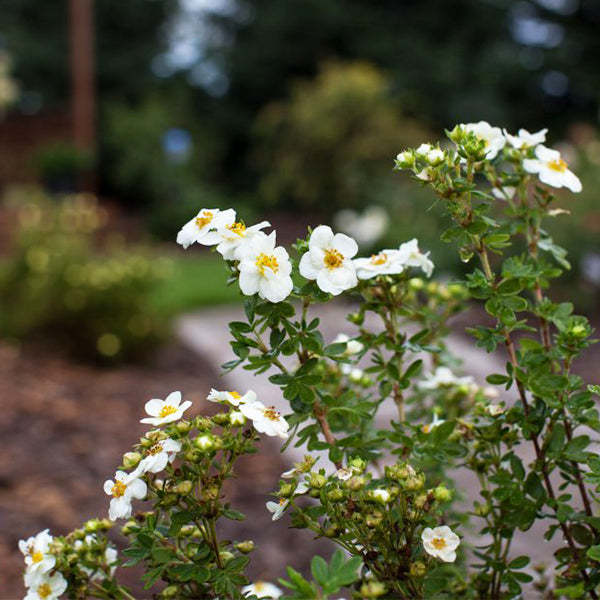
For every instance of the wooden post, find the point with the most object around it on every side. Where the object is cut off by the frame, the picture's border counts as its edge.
(83, 108)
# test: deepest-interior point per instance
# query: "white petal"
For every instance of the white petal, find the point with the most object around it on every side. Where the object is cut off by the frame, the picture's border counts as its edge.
(249, 283)
(152, 407)
(307, 267)
(173, 399)
(345, 244)
(321, 237)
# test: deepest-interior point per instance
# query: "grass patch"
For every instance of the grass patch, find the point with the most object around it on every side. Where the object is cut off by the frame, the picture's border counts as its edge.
(195, 281)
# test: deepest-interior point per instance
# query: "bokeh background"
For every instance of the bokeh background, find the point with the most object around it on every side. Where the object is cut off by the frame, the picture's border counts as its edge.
(120, 120)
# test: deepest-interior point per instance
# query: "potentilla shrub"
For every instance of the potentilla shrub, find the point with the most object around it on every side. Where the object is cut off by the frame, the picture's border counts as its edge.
(382, 490)
(62, 282)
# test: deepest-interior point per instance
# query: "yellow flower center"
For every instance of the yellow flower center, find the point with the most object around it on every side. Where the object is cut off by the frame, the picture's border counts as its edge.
(36, 557)
(282, 501)
(267, 261)
(379, 259)
(44, 590)
(272, 414)
(425, 428)
(204, 219)
(167, 410)
(558, 165)
(333, 259)
(118, 489)
(259, 586)
(156, 449)
(235, 395)
(438, 543)
(237, 228)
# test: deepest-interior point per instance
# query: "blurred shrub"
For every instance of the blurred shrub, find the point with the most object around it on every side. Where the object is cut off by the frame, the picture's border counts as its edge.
(60, 165)
(334, 137)
(145, 170)
(61, 284)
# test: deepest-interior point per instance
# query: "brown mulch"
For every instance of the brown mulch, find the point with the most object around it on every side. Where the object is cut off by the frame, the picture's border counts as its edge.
(63, 430)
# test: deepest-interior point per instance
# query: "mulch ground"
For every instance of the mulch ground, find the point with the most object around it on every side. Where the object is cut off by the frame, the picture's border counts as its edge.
(63, 430)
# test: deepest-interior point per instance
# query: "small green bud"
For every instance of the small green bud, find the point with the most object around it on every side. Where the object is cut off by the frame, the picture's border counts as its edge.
(578, 331)
(418, 569)
(187, 530)
(332, 531)
(317, 481)
(356, 318)
(156, 435)
(442, 494)
(355, 483)
(184, 426)
(185, 487)
(335, 495)
(416, 284)
(357, 464)
(129, 527)
(245, 547)
(203, 424)
(131, 459)
(286, 490)
(105, 524)
(225, 556)
(221, 419)
(457, 135)
(170, 592)
(372, 589)
(92, 526)
(414, 483)
(420, 501)
(211, 492)
(373, 519)
(405, 160)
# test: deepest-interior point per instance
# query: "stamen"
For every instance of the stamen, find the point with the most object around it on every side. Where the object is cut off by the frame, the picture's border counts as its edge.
(167, 410)
(333, 258)
(438, 543)
(379, 259)
(272, 414)
(558, 165)
(267, 261)
(237, 228)
(205, 218)
(118, 490)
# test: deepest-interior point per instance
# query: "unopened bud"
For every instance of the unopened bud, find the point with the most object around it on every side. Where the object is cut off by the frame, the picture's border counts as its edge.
(131, 459)
(185, 487)
(170, 592)
(205, 442)
(245, 547)
(335, 495)
(236, 418)
(317, 481)
(184, 426)
(372, 589)
(442, 494)
(355, 483)
(418, 569)
(221, 418)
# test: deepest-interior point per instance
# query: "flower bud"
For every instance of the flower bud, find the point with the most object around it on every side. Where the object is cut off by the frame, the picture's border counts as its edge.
(418, 569)
(205, 442)
(236, 418)
(187, 530)
(356, 318)
(414, 483)
(156, 435)
(131, 459)
(457, 135)
(335, 495)
(355, 483)
(92, 526)
(372, 589)
(382, 496)
(184, 426)
(245, 547)
(225, 556)
(355, 375)
(203, 424)
(286, 490)
(184, 487)
(170, 592)
(405, 160)
(423, 149)
(578, 331)
(416, 283)
(357, 464)
(129, 527)
(420, 501)
(317, 481)
(332, 531)
(442, 494)
(435, 157)
(373, 519)
(221, 419)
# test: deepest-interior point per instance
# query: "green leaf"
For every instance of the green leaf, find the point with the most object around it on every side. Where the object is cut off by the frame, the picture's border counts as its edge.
(594, 553)
(319, 570)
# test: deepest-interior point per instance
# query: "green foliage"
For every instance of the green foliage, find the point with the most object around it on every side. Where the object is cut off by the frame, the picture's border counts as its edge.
(328, 143)
(60, 286)
(60, 162)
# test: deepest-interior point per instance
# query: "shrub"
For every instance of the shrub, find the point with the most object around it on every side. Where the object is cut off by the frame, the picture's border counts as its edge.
(383, 490)
(63, 284)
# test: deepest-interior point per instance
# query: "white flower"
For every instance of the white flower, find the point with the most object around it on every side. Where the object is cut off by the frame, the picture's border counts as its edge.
(423, 150)
(165, 411)
(205, 442)
(434, 423)
(366, 227)
(440, 542)
(265, 419)
(425, 174)
(525, 139)
(278, 508)
(262, 589)
(123, 490)
(35, 550)
(552, 169)
(504, 193)
(352, 346)
(495, 409)
(233, 398)
(264, 268)
(443, 377)
(233, 234)
(492, 136)
(203, 227)
(380, 495)
(47, 587)
(159, 455)
(387, 262)
(110, 558)
(409, 255)
(356, 375)
(344, 473)
(328, 260)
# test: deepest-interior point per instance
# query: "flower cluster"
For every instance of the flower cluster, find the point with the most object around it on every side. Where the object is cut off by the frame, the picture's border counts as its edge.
(265, 269)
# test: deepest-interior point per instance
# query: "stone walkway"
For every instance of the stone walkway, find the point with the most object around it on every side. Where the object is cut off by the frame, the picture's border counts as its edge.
(207, 333)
